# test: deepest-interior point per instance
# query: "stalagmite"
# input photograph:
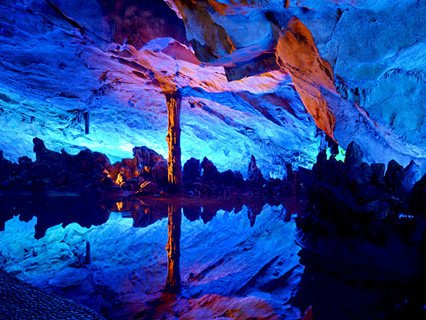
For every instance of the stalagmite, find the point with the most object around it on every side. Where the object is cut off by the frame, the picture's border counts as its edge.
(173, 100)
(173, 249)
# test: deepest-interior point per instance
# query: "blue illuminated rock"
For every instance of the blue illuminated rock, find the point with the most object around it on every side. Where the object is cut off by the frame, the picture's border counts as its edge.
(69, 74)
(66, 68)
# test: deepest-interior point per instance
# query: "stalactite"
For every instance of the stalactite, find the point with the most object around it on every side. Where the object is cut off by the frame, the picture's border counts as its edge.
(173, 281)
(173, 100)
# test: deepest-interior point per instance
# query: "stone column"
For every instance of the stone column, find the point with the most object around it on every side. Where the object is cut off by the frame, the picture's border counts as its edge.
(173, 100)
(173, 280)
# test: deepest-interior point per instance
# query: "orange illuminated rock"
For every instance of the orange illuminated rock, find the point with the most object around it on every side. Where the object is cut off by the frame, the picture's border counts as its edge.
(298, 55)
(216, 41)
(173, 101)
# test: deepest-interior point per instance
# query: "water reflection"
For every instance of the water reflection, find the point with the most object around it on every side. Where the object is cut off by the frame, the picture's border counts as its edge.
(173, 249)
(147, 211)
(232, 260)
(52, 211)
(87, 212)
(239, 249)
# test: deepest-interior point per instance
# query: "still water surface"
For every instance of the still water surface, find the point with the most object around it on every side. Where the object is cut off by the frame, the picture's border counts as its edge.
(156, 258)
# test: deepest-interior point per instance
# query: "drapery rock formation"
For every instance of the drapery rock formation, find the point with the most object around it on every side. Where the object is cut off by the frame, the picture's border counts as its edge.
(298, 55)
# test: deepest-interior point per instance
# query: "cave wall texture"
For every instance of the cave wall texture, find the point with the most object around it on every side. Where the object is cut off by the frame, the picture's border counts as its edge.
(257, 77)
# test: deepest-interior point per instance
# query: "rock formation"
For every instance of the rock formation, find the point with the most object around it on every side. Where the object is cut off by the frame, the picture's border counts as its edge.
(361, 204)
(53, 171)
(147, 173)
(271, 107)
(192, 171)
(254, 175)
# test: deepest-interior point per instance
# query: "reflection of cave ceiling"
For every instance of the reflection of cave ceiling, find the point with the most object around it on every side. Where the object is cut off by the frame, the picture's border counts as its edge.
(257, 78)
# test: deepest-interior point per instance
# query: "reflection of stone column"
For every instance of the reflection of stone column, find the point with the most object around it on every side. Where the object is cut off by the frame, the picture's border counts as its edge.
(173, 100)
(173, 249)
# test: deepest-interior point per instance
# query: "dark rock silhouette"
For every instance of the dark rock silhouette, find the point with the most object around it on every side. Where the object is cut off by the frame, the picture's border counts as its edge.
(354, 155)
(6, 168)
(418, 197)
(410, 176)
(210, 172)
(232, 178)
(357, 203)
(53, 171)
(144, 174)
(393, 176)
(254, 175)
(192, 171)
(378, 173)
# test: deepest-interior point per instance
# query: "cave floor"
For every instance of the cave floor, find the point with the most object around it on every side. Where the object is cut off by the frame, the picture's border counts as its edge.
(23, 301)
